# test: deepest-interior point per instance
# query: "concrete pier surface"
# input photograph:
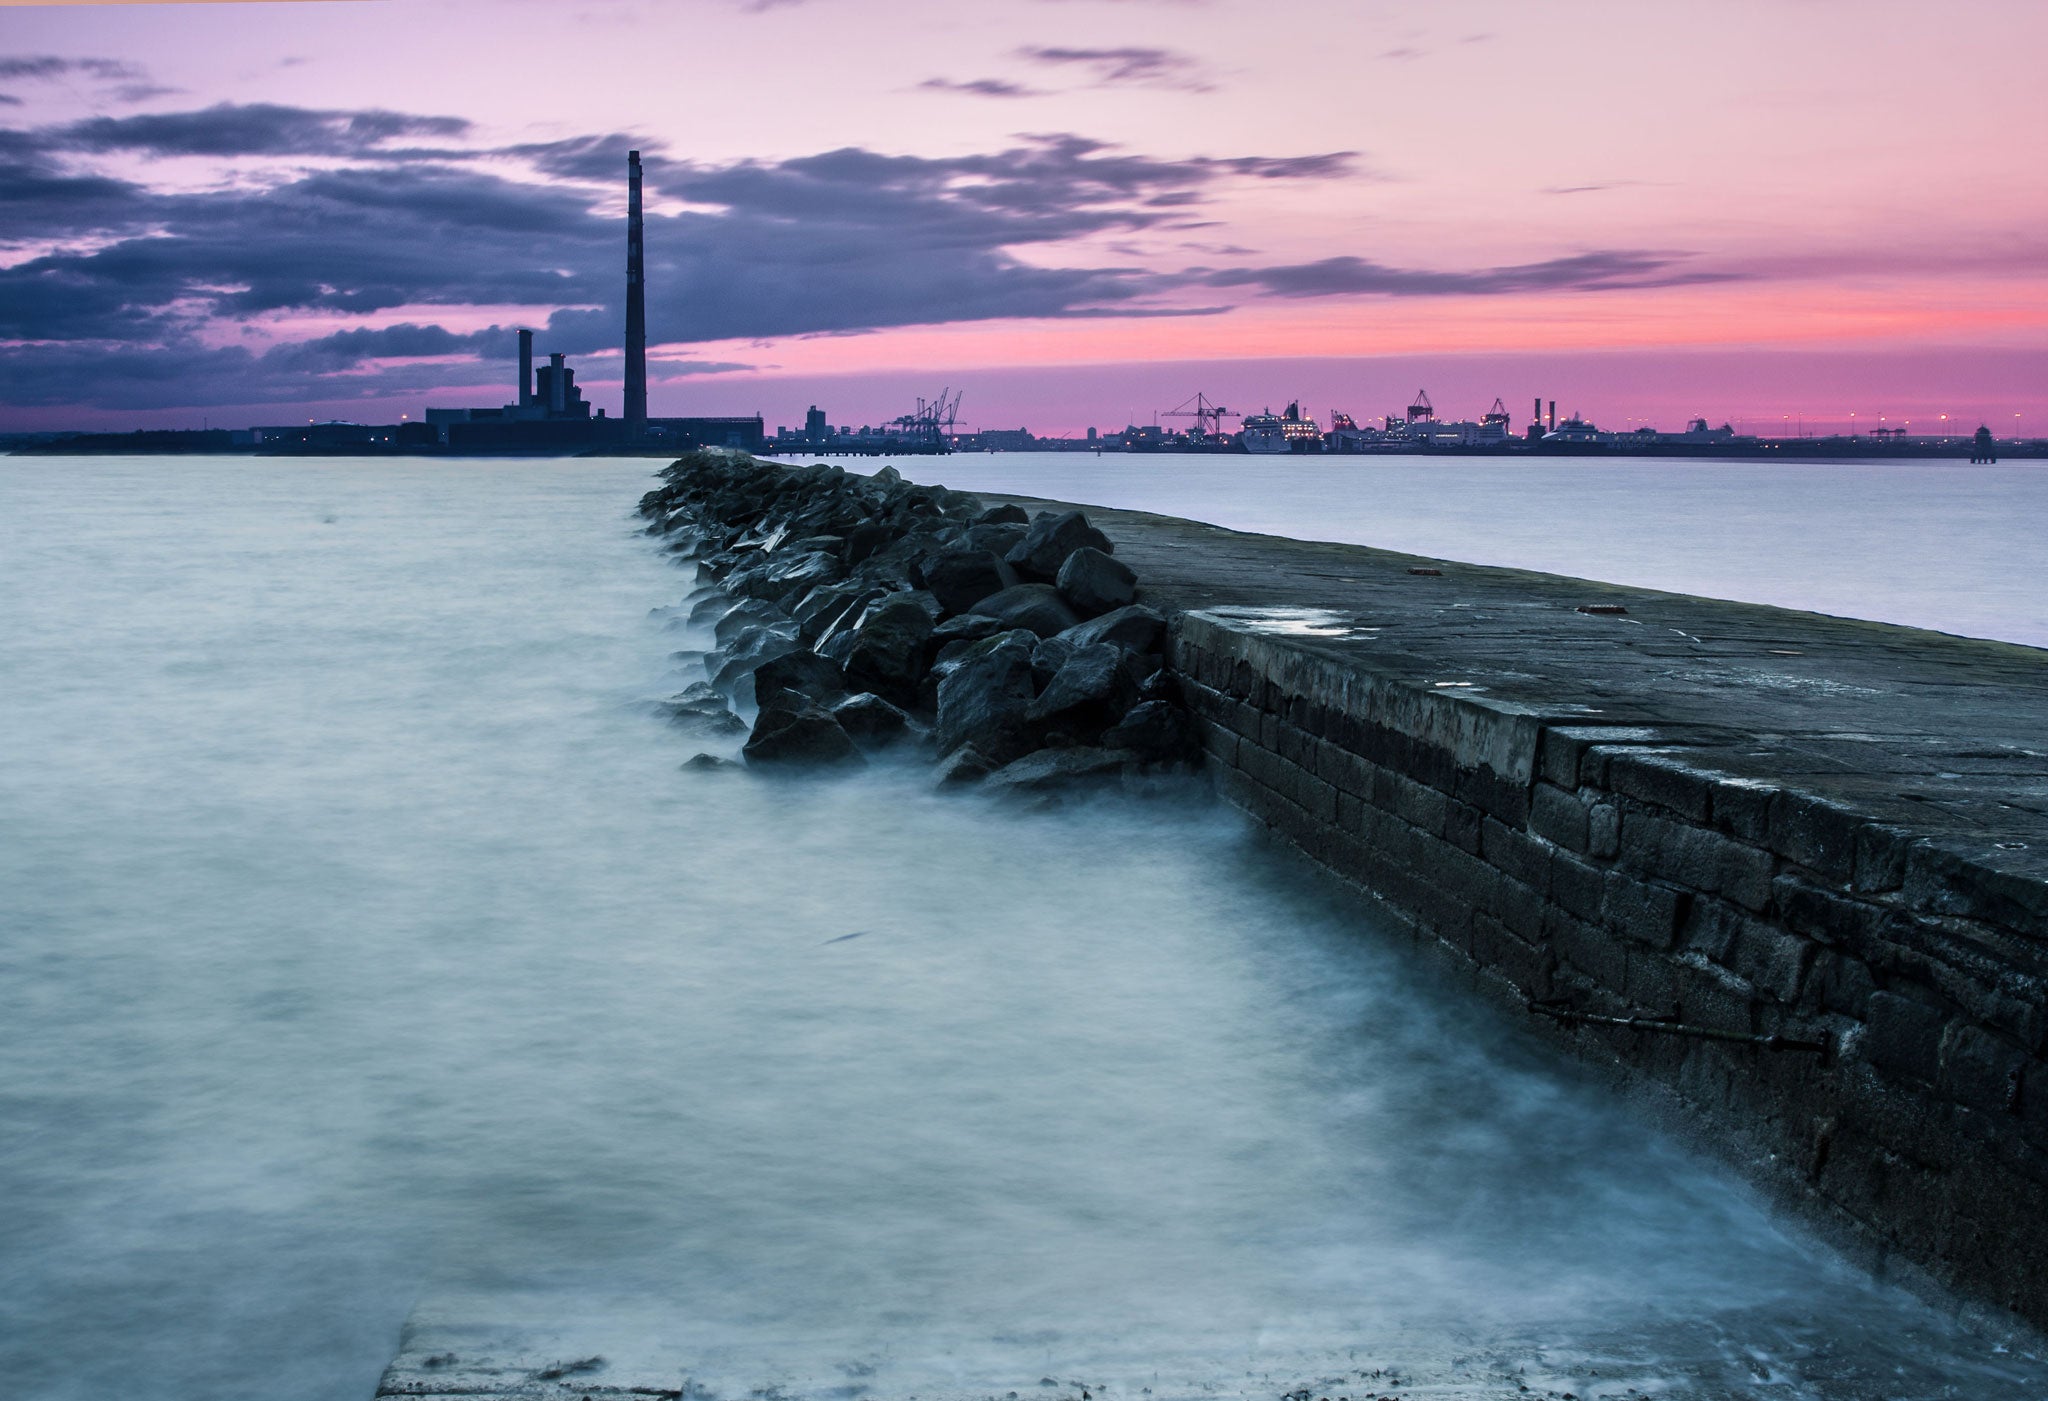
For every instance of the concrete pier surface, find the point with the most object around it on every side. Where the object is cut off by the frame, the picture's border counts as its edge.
(1785, 875)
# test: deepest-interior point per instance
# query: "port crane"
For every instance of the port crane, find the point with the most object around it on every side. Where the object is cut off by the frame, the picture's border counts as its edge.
(934, 421)
(1204, 414)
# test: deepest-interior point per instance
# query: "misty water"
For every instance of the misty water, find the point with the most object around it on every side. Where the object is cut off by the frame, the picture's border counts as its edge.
(363, 946)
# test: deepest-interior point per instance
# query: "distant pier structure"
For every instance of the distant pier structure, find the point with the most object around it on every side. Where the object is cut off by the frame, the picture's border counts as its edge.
(1982, 448)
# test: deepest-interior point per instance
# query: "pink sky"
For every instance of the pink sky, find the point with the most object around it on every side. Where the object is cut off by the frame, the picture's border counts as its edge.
(1853, 189)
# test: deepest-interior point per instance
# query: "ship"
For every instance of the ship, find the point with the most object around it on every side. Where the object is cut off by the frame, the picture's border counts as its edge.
(1269, 432)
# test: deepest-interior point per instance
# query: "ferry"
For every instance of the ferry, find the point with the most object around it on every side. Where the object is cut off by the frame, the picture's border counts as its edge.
(1269, 432)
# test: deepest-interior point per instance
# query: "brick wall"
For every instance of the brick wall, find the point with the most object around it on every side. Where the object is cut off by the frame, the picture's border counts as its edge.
(1591, 867)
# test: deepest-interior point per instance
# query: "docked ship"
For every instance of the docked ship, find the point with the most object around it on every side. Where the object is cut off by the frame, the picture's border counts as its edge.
(1269, 432)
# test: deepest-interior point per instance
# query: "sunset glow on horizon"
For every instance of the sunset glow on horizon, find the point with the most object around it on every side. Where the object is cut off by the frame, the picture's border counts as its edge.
(281, 209)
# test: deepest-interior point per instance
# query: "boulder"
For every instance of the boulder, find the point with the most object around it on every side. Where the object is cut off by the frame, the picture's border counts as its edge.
(1134, 627)
(1048, 657)
(864, 539)
(873, 723)
(985, 700)
(707, 763)
(839, 646)
(704, 716)
(778, 577)
(818, 611)
(1094, 583)
(1049, 540)
(998, 540)
(888, 652)
(750, 649)
(807, 737)
(1036, 607)
(1049, 769)
(801, 673)
(1003, 515)
(963, 766)
(960, 577)
(968, 627)
(750, 613)
(1153, 731)
(1090, 692)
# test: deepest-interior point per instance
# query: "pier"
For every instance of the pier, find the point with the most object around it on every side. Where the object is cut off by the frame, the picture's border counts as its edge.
(1779, 876)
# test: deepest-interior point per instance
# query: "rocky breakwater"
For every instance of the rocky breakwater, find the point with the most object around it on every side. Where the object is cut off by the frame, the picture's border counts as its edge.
(856, 615)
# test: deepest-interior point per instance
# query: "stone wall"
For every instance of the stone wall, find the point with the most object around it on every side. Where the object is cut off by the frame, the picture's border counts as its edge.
(1601, 869)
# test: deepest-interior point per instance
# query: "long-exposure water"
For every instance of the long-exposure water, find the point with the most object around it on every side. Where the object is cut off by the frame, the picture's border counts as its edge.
(362, 942)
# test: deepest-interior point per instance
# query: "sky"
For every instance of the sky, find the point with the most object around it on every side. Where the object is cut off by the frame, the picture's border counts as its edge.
(1780, 213)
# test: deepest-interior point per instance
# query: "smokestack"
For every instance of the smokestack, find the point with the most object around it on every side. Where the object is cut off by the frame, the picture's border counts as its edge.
(1553, 415)
(558, 386)
(1539, 409)
(525, 369)
(636, 307)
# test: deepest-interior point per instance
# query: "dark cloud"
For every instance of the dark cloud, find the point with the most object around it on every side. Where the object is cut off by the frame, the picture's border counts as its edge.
(1609, 270)
(50, 67)
(1139, 65)
(981, 87)
(256, 129)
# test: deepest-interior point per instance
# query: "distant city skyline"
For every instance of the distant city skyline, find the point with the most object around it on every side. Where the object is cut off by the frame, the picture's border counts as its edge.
(1080, 211)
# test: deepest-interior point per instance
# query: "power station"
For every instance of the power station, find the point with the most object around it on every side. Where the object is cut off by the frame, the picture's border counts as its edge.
(550, 414)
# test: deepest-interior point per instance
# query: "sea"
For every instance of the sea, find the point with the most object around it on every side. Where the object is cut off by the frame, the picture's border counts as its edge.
(366, 951)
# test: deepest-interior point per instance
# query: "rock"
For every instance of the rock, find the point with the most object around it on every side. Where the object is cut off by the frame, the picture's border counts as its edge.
(696, 691)
(968, 627)
(998, 540)
(1056, 768)
(986, 698)
(1050, 539)
(1089, 692)
(778, 578)
(704, 715)
(888, 653)
(1048, 657)
(750, 613)
(712, 607)
(803, 738)
(962, 577)
(750, 649)
(1154, 731)
(801, 673)
(873, 723)
(963, 766)
(1093, 583)
(839, 646)
(1003, 515)
(820, 610)
(707, 763)
(1135, 628)
(863, 540)
(1037, 607)
(1161, 685)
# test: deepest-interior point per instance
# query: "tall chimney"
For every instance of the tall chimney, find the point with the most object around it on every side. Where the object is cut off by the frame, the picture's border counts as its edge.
(636, 308)
(558, 386)
(1539, 409)
(1553, 415)
(525, 369)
